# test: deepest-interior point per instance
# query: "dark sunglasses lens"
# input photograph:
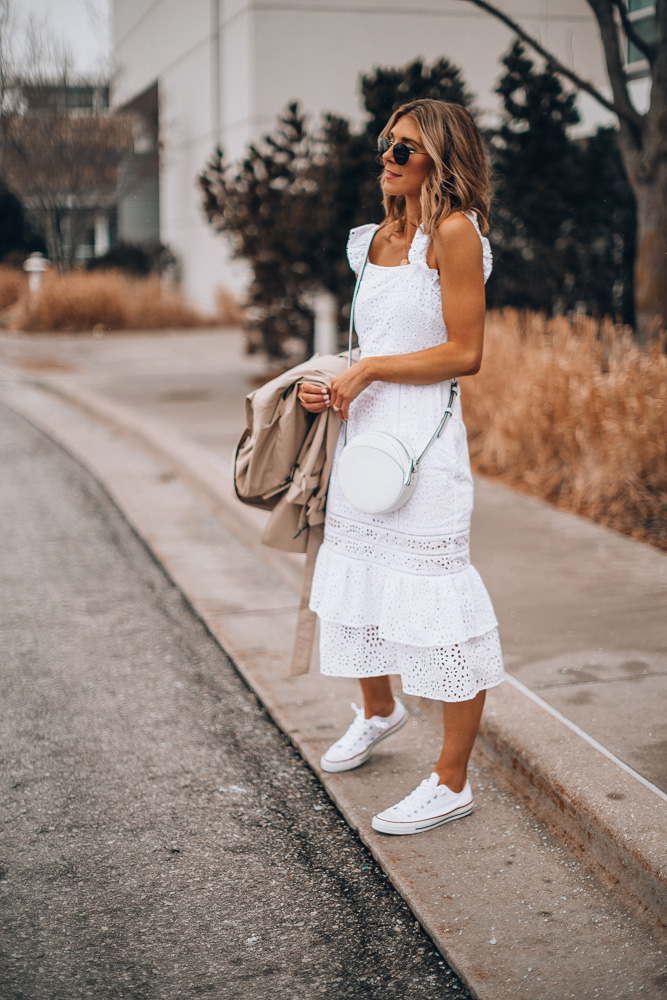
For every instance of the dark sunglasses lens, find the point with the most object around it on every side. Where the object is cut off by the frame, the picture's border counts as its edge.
(401, 153)
(383, 145)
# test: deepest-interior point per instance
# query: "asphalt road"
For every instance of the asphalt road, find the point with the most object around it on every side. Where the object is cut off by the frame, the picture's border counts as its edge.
(159, 837)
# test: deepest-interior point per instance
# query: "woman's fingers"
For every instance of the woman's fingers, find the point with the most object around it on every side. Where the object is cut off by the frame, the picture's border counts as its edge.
(314, 398)
(318, 398)
(339, 406)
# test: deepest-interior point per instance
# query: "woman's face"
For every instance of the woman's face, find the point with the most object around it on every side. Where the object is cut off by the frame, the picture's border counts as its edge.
(405, 180)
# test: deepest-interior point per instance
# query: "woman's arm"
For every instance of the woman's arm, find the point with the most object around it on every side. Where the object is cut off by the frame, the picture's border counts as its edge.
(459, 257)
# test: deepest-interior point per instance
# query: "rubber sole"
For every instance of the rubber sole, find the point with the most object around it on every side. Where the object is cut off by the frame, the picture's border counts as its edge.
(402, 829)
(335, 767)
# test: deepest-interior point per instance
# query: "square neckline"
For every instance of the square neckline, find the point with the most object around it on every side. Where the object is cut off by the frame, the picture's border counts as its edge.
(400, 267)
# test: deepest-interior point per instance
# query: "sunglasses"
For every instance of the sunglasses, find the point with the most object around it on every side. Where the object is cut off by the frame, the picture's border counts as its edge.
(400, 151)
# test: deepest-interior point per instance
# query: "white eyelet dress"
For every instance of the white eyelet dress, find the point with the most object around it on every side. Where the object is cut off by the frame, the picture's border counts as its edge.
(395, 593)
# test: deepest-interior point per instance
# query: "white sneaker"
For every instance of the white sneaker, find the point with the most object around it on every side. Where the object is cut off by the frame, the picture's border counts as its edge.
(362, 737)
(429, 805)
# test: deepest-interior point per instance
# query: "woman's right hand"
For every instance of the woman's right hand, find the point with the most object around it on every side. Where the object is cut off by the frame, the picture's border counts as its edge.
(314, 398)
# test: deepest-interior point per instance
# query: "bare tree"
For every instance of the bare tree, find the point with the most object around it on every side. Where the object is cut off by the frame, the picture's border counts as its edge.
(7, 27)
(61, 160)
(64, 167)
(642, 139)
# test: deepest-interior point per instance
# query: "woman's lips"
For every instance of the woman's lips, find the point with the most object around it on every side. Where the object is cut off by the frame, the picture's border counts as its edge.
(390, 173)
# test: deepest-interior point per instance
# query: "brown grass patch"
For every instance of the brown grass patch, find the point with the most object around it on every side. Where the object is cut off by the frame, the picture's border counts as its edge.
(13, 284)
(574, 412)
(107, 300)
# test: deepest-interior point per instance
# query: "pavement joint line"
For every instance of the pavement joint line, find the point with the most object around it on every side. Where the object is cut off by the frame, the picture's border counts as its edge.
(508, 752)
(600, 680)
(585, 736)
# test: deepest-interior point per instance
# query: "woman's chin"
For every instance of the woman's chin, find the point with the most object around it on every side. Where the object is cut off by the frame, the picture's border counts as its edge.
(392, 186)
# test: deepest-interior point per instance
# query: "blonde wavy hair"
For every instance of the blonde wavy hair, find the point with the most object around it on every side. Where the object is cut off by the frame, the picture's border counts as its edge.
(459, 178)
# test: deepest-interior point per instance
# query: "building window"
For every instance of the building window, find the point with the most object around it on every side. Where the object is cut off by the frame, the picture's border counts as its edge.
(642, 15)
(79, 97)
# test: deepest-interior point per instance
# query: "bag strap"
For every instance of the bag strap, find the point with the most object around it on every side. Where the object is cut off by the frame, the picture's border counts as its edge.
(354, 299)
(443, 423)
(454, 386)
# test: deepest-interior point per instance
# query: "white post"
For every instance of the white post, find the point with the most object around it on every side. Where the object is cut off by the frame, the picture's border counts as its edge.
(36, 264)
(326, 332)
(101, 234)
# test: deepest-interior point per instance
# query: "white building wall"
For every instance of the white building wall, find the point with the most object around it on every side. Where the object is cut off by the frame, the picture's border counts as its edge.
(226, 68)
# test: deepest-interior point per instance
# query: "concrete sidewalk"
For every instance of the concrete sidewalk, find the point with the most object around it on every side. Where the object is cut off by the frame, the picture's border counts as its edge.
(581, 612)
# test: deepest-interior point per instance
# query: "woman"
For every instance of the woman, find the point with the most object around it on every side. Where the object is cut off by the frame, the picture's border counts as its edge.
(395, 593)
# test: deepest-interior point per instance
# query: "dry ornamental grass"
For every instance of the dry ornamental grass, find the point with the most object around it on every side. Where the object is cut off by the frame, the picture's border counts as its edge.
(574, 411)
(107, 300)
(13, 284)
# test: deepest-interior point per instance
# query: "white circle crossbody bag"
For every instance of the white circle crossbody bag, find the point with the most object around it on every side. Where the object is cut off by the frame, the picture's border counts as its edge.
(377, 472)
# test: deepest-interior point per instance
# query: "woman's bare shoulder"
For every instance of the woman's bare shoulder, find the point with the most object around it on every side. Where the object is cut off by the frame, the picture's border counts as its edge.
(456, 227)
(456, 235)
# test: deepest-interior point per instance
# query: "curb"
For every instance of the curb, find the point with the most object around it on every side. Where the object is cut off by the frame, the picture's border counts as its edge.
(533, 753)
(567, 781)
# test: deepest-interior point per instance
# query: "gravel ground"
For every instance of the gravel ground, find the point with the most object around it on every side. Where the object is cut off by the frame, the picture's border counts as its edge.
(159, 836)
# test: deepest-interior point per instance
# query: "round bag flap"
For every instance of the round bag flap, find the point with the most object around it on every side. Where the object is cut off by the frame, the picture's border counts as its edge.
(372, 470)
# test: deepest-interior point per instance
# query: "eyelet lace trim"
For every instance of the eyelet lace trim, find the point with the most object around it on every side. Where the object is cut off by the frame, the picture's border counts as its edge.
(408, 553)
(357, 242)
(453, 673)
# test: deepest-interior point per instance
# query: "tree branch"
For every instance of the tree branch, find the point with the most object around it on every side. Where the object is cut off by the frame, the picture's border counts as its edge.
(620, 106)
(657, 113)
(604, 15)
(647, 49)
(661, 20)
(660, 29)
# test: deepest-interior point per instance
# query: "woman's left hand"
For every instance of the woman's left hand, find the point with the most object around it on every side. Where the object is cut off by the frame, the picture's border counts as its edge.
(347, 386)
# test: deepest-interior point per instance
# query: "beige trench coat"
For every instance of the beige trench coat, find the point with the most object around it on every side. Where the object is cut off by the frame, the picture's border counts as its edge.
(282, 464)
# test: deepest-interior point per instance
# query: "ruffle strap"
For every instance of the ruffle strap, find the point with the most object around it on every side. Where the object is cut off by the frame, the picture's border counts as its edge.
(357, 243)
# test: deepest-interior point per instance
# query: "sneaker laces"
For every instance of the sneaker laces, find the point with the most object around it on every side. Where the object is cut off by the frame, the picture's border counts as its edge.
(359, 729)
(421, 796)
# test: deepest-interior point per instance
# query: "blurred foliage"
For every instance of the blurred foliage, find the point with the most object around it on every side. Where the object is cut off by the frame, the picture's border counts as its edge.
(563, 219)
(268, 206)
(17, 237)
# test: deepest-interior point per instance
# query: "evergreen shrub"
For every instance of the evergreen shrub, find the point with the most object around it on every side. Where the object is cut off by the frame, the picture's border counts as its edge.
(17, 237)
(562, 221)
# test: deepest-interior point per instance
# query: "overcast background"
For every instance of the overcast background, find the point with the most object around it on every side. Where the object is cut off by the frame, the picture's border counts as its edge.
(82, 25)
